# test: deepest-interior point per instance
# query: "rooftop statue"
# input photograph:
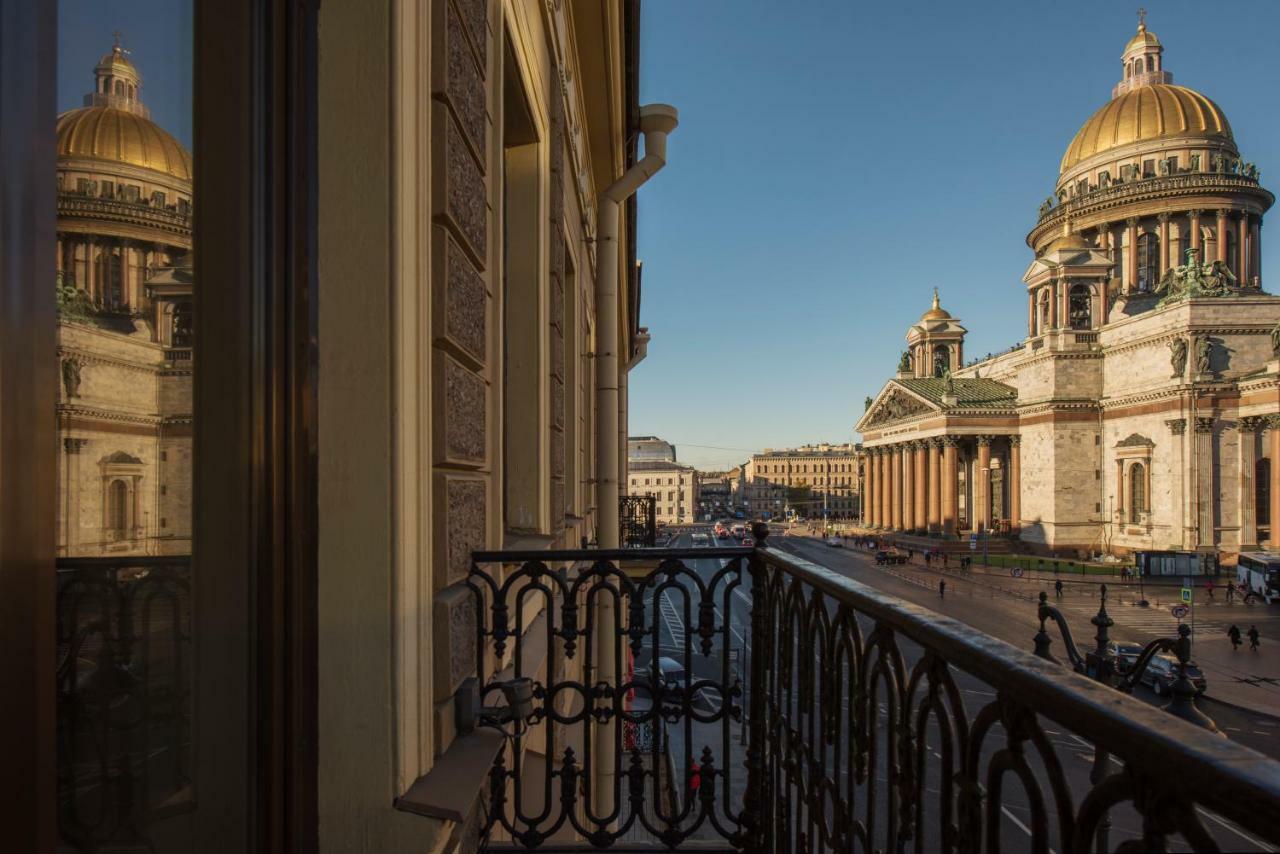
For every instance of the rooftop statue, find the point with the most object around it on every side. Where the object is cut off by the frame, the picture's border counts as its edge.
(904, 364)
(948, 384)
(1193, 279)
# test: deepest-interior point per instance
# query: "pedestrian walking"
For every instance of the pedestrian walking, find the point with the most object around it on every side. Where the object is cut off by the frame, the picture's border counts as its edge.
(1208, 587)
(1234, 634)
(1057, 588)
(1254, 637)
(942, 589)
(1231, 592)
(695, 779)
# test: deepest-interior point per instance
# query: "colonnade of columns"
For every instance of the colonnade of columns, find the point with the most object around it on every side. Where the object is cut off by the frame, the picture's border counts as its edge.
(915, 485)
(1230, 226)
(112, 271)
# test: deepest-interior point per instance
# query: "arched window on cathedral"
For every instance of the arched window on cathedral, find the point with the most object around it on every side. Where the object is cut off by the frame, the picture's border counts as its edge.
(1151, 63)
(1081, 308)
(941, 360)
(1148, 261)
(117, 510)
(1262, 493)
(1137, 492)
(181, 334)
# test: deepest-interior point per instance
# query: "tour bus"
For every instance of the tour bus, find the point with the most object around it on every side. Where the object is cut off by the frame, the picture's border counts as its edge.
(1258, 573)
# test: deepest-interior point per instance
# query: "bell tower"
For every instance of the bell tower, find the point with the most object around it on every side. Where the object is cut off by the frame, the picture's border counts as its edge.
(936, 342)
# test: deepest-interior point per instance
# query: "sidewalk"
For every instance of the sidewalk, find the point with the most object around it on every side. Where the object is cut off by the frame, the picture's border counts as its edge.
(1241, 678)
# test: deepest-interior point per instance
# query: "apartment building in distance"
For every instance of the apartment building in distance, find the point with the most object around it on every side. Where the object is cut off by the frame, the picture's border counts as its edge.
(675, 487)
(811, 480)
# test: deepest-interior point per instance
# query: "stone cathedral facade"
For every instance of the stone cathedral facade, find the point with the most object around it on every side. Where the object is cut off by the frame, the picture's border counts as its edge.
(125, 291)
(1142, 410)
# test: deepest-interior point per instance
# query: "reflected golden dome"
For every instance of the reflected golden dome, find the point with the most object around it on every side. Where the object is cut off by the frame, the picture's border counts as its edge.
(1151, 112)
(120, 136)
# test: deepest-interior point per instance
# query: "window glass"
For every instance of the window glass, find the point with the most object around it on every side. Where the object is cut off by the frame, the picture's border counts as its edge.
(124, 287)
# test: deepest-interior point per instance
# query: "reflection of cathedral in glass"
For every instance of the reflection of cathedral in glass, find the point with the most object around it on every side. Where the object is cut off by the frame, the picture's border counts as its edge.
(125, 323)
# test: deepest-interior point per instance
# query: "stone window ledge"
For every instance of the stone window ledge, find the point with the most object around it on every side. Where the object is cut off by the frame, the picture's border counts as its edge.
(453, 786)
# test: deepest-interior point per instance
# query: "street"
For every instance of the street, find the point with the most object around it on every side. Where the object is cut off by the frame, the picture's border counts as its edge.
(988, 604)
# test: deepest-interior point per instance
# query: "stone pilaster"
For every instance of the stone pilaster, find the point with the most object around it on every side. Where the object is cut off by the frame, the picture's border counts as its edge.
(1205, 535)
(1179, 469)
(1015, 484)
(1249, 427)
(1273, 427)
(1194, 216)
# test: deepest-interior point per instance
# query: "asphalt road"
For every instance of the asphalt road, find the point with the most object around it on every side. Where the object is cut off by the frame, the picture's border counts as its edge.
(1008, 617)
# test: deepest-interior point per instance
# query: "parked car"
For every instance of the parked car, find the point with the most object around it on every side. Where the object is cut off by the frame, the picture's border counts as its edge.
(1125, 655)
(1162, 672)
(748, 540)
(701, 539)
(891, 556)
(834, 541)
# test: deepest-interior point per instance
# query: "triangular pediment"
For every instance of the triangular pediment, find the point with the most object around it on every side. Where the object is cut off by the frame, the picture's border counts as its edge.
(894, 403)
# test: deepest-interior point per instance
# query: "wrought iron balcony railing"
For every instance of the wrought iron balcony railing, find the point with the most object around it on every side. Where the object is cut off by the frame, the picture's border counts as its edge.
(124, 698)
(744, 698)
(638, 520)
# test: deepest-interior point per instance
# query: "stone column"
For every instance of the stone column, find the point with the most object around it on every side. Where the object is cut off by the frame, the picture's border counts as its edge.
(1221, 241)
(1255, 254)
(1015, 484)
(1195, 229)
(982, 486)
(1031, 314)
(1163, 219)
(920, 520)
(908, 485)
(1273, 427)
(1248, 458)
(1131, 258)
(90, 271)
(1204, 482)
(886, 486)
(1053, 304)
(1177, 429)
(948, 485)
(895, 503)
(1120, 491)
(934, 520)
(867, 500)
(1242, 249)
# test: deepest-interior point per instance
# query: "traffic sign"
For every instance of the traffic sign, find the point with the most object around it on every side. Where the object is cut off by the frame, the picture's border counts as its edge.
(1016, 572)
(1186, 595)
(1180, 611)
(973, 545)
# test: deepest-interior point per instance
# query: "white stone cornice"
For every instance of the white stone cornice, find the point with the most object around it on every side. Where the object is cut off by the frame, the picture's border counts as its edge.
(67, 411)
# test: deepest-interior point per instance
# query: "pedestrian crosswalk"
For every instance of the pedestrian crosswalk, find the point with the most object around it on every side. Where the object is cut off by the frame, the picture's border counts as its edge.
(1154, 621)
(671, 617)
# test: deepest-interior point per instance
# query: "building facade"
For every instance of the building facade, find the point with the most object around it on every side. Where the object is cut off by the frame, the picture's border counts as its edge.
(1142, 409)
(673, 486)
(715, 493)
(811, 480)
(125, 343)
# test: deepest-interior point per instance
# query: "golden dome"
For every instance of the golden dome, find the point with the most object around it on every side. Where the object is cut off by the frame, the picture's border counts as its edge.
(937, 312)
(120, 136)
(1144, 38)
(1151, 112)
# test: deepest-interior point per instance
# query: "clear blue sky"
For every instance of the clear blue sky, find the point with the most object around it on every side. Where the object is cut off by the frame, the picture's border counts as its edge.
(158, 34)
(836, 160)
